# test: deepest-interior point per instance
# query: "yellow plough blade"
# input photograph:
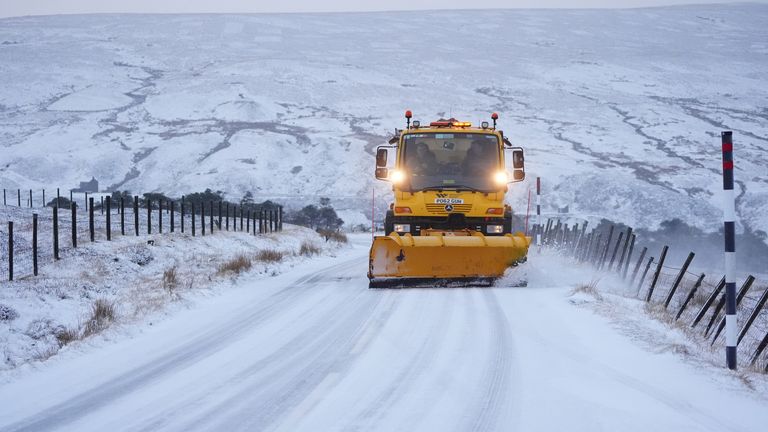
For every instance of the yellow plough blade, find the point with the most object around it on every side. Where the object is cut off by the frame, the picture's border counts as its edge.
(444, 256)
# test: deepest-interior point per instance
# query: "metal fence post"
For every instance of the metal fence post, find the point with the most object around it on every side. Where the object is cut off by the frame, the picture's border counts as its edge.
(122, 216)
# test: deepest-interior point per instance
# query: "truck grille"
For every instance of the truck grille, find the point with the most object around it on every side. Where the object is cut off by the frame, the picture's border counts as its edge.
(457, 208)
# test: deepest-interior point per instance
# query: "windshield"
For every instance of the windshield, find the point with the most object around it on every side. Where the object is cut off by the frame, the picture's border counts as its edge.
(450, 161)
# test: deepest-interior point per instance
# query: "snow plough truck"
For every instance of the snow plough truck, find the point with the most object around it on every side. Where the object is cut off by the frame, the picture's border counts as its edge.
(448, 223)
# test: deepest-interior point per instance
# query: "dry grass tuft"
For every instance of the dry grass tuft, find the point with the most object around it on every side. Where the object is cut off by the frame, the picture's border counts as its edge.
(236, 265)
(308, 249)
(338, 237)
(170, 279)
(590, 288)
(269, 256)
(67, 336)
(102, 315)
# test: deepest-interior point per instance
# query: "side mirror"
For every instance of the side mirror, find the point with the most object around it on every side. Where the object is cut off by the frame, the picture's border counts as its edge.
(381, 158)
(382, 173)
(518, 164)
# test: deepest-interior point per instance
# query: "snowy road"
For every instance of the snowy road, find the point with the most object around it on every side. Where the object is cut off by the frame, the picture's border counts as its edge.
(316, 350)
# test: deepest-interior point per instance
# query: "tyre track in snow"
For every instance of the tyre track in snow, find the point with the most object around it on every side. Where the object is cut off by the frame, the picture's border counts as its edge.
(495, 392)
(315, 337)
(417, 364)
(278, 392)
(210, 342)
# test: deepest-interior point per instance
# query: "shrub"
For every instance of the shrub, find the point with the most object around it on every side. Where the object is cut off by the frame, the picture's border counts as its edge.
(337, 236)
(7, 313)
(269, 255)
(102, 314)
(308, 249)
(236, 265)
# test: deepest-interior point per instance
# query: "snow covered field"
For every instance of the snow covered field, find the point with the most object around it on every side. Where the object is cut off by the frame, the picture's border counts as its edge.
(314, 349)
(620, 110)
(143, 278)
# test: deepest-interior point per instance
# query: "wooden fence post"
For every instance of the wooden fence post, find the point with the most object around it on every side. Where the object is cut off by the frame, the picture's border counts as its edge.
(56, 233)
(73, 206)
(122, 216)
(752, 316)
(629, 257)
(30, 198)
(109, 218)
(615, 251)
(160, 216)
(182, 214)
(149, 215)
(248, 222)
(192, 213)
(642, 278)
(227, 218)
(689, 296)
(102, 204)
(19, 196)
(241, 218)
(210, 217)
(710, 300)
(91, 225)
(10, 251)
(637, 266)
(627, 238)
(742, 293)
(172, 208)
(604, 255)
(34, 244)
(678, 279)
(760, 349)
(221, 227)
(202, 219)
(136, 214)
(657, 273)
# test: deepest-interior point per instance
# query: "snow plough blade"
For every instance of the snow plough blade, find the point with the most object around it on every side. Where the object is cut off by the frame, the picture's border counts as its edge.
(442, 259)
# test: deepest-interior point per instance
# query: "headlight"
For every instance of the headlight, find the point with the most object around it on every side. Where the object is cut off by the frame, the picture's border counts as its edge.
(501, 177)
(402, 228)
(397, 176)
(494, 229)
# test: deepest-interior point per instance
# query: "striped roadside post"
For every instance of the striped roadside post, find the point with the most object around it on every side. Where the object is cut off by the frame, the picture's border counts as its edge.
(729, 220)
(538, 212)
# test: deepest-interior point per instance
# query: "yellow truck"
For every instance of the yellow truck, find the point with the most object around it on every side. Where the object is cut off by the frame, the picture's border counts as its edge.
(448, 222)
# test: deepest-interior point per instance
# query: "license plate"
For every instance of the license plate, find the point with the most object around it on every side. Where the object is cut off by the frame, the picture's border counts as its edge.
(449, 201)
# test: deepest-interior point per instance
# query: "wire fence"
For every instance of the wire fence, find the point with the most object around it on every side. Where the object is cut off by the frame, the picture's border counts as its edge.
(38, 233)
(693, 302)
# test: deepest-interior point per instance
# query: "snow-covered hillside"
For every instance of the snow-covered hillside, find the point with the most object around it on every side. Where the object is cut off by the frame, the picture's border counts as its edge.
(620, 110)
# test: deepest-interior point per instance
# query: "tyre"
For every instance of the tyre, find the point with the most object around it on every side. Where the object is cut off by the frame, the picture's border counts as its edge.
(389, 222)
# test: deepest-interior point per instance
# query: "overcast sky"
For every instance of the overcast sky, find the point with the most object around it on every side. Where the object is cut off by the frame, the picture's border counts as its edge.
(52, 7)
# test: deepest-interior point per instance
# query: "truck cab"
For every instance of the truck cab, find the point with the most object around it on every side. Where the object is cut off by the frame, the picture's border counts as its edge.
(448, 177)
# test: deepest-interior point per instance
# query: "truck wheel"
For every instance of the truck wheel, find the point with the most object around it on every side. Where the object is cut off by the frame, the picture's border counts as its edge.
(389, 222)
(508, 223)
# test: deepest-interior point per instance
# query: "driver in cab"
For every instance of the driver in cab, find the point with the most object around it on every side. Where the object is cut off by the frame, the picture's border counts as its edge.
(479, 160)
(423, 161)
